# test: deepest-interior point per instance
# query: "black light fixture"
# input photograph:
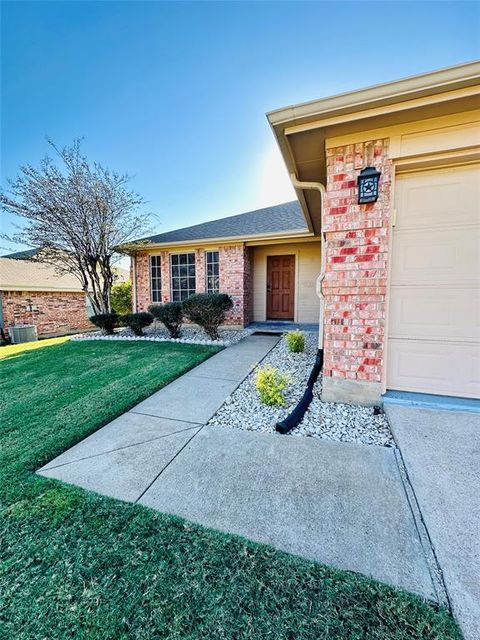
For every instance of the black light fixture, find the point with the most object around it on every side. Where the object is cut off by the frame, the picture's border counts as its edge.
(368, 185)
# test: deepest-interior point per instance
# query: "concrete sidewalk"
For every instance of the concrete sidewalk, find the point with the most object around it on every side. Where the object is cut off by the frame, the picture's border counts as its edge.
(441, 450)
(341, 504)
(123, 458)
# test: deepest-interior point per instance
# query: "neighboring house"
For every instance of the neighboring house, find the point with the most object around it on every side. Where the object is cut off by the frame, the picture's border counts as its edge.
(33, 293)
(401, 281)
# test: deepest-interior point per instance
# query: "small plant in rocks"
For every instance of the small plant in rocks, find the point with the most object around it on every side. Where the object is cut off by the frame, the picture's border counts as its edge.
(105, 321)
(271, 383)
(170, 315)
(137, 321)
(208, 310)
(295, 341)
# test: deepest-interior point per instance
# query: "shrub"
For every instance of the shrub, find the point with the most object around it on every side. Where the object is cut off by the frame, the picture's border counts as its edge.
(137, 321)
(271, 383)
(105, 321)
(295, 341)
(122, 297)
(169, 314)
(208, 310)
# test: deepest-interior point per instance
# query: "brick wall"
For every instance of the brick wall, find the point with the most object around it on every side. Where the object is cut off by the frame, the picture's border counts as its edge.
(55, 313)
(355, 285)
(235, 279)
(200, 281)
(142, 273)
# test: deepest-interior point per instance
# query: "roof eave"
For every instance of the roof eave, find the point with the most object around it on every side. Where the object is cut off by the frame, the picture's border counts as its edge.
(424, 84)
(28, 287)
(318, 114)
(293, 234)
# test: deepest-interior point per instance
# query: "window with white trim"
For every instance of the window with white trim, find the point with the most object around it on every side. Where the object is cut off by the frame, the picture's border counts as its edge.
(182, 268)
(212, 271)
(156, 278)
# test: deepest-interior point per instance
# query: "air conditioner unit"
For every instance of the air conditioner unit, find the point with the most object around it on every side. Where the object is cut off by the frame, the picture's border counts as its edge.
(23, 333)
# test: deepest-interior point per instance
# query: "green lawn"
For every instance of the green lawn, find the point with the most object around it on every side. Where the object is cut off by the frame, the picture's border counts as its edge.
(77, 565)
(16, 349)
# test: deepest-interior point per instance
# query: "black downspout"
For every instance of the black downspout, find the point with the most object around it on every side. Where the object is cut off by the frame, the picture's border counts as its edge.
(298, 412)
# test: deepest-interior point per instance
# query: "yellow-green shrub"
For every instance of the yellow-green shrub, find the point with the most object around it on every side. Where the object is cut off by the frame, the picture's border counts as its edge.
(295, 341)
(271, 383)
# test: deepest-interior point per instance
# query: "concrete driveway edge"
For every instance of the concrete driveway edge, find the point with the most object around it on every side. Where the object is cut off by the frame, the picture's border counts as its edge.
(426, 542)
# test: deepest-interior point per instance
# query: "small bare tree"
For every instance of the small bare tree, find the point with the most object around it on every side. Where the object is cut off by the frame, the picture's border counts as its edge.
(76, 215)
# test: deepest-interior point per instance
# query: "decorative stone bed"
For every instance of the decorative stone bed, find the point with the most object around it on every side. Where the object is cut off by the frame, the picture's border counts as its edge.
(158, 333)
(331, 421)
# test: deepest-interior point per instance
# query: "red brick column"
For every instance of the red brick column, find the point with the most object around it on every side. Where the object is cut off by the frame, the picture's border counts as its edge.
(165, 269)
(200, 271)
(142, 281)
(235, 280)
(355, 285)
(247, 286)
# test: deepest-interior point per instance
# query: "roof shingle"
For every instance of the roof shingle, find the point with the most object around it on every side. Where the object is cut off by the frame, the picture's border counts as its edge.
(277, 219)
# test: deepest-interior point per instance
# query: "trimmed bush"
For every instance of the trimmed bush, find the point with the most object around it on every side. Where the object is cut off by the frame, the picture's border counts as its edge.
(208, 310)
(105, 321)
(271, 383)
(170, 315)
(122, 297)
(295, 341)
(137, 321)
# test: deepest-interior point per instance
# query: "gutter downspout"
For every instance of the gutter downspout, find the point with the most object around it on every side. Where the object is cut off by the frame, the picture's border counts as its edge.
(298, 412)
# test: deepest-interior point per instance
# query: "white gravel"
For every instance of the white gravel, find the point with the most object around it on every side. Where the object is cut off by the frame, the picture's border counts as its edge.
(331, 421)
(157, 332)
(193, 332)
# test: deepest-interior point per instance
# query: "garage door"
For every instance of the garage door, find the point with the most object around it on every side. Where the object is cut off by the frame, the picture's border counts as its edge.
(434, 313)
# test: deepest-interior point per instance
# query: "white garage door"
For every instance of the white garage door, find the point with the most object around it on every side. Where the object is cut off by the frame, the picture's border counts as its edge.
(434, 314)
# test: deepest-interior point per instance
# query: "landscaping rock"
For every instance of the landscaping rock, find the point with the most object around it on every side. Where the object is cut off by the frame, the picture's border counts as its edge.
(331, 421)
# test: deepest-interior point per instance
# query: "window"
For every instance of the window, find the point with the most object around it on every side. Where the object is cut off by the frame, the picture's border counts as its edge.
(156, 278)
(212, 272)
(183, 275)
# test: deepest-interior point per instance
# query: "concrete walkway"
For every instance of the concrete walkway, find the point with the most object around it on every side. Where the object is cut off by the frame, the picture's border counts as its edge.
(341, 504)
(441, 450)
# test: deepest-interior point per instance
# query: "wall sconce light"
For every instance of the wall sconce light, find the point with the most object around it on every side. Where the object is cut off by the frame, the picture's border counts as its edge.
(368, 185)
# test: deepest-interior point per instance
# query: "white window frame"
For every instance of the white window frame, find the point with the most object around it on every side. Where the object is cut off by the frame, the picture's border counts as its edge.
(156, 291)
(172, 277)
(209, 289)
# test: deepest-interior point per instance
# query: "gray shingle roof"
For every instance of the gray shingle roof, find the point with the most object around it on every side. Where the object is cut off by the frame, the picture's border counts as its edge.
(277, 219)
(22, 255)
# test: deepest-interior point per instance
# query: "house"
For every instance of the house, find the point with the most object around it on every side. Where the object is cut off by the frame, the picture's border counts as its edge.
(267, 260)
(396, 266)
(33, 293)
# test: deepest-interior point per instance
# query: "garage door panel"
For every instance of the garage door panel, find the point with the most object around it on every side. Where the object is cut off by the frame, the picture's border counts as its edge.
(436, 255)
(451, 197)
(435, 313)
(434, 310)
(432, 367)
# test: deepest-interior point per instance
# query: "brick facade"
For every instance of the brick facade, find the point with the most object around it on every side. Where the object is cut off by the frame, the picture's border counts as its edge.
(235, 279)
(357, 246)
(54, 312)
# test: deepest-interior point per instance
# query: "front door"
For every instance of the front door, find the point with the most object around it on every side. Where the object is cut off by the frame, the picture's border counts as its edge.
(280, 287)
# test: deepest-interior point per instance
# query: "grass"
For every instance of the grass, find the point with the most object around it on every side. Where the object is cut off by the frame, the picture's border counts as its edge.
(76, 565)
(17, 349)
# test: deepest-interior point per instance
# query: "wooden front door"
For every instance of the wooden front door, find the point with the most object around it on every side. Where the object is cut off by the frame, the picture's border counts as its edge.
(280, 287)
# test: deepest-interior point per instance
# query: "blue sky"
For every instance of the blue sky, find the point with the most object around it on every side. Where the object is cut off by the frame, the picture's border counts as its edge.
(176, 93)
